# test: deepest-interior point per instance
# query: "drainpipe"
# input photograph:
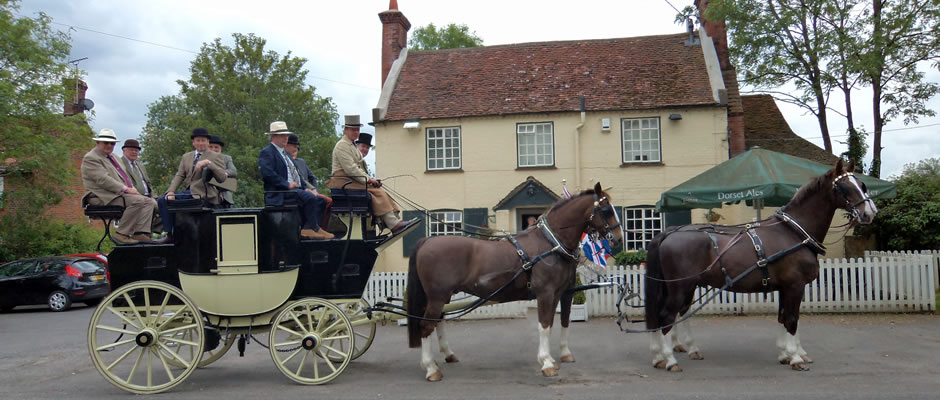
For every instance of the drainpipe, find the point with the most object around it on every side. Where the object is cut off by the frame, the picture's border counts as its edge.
(577, 149)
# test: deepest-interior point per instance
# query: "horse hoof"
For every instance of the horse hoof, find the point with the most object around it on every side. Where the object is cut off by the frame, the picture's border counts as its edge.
(679, 349)
(549, 372)
(783, 361)
(674, 368)
(567, 359)
(806, 359)
(436, 376)
(696, 356)
(660, 364)
(799, 367)
(451, 359)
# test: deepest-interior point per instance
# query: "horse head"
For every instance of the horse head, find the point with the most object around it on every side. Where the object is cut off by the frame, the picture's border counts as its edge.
(604, 221)
(853, 193)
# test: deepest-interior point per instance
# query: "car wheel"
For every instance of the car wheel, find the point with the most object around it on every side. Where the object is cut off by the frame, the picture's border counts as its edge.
(59, 301)
(92, 302)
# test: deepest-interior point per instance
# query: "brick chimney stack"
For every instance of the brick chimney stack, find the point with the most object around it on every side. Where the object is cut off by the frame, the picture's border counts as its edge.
(717, 31)
(74, 95)
(395, 28)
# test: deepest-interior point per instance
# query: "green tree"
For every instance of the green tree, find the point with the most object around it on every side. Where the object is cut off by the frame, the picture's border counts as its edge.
(236, 92)
(35, 137)
(911, 220)
(452, 36)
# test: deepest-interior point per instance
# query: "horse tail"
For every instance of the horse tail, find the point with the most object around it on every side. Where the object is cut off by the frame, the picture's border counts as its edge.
(655, 288)
(416, 299)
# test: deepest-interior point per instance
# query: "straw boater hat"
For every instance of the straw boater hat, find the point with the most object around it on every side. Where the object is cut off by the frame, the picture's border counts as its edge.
(106, 135)
(131, 143)
(352, 121)
(278, 128)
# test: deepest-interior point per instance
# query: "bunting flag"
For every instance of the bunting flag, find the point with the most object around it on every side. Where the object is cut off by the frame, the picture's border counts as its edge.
(597, 251)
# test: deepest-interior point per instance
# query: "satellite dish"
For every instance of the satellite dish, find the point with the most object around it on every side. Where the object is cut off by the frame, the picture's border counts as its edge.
(87, 104)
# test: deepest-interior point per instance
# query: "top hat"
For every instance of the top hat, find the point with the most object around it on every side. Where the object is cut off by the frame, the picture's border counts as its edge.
(106, 135)
(131, 143)
(214, 139)
(365, 138)
(203, 132)
(292, 139)
(352, 121)
(278, 128)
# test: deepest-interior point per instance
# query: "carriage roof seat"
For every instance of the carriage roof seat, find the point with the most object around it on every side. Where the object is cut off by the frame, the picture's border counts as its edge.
(95, 208)
(351, 201)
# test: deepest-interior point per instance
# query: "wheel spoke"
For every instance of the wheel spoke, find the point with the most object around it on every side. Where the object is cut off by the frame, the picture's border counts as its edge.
(134, 368)
(294, 317)
(346, 336)
(172, 317)
(147, 305)
(149, 366)
(123, 317)
(295, 353)
(177, 329)
(360, 335)
(115, 344)
(174, 354)
(302, 361)
(113, 329)
(291, 343)
(344, 355)
(320, 319)
(181, 341)
(121, 358)
(166, 298)
(327, 360)
(166, 366)
(289, 330)
(133, 307)
(329, 329)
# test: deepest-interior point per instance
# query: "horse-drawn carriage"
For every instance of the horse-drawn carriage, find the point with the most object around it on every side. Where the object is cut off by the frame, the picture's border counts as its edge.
(228, 275)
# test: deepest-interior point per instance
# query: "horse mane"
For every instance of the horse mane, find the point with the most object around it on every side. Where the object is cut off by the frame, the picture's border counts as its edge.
(807, 190)
(561, 203)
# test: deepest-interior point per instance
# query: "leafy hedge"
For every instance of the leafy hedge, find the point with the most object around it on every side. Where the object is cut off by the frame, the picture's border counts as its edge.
(630, 257)
(20, 238)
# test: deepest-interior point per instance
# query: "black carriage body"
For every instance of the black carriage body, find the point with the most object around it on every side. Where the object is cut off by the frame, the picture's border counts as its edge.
(324, 270)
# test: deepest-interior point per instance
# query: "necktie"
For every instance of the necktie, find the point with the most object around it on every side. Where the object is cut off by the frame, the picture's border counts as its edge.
(294, 176)
(195, 160)
(127, 181)
(143, 180)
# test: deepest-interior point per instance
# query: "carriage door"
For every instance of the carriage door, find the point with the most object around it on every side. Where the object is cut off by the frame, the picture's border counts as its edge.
(237, 250)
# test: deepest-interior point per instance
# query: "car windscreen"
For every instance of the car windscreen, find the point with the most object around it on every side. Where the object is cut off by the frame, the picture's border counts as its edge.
(88, 265)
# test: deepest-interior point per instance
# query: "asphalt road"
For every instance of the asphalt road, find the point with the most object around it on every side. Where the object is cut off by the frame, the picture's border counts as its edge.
(872, 356)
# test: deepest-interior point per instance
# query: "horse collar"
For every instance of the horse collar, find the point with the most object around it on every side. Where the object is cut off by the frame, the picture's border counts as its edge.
(557, 246)
(808, 238)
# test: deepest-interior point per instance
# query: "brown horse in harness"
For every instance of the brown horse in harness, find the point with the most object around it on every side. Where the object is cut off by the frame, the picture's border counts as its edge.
(783, 248)
(539, 262)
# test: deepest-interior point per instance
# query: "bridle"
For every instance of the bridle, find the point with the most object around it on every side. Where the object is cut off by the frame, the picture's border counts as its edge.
(849, 206)
(606, 212)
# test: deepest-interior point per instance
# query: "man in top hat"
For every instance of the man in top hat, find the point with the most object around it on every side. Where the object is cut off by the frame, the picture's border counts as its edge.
(280, 174)
(228, 197)
(308, 179)
(106, 182)
(347, 167)
(189, 176)
(138, 174)
(364, 144)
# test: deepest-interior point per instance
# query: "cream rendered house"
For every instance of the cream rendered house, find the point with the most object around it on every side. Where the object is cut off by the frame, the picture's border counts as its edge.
(485, 136)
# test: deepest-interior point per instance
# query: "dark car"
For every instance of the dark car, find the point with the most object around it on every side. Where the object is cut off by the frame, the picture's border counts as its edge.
(55, 281)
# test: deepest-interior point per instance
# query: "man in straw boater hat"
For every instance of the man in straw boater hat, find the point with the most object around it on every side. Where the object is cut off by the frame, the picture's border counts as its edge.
(347, 167)
(280, 175)
(106, 182)
(189, 177)
(308, 180)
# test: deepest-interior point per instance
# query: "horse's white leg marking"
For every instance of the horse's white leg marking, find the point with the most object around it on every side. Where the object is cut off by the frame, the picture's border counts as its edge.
(656, 347)
(427, 357)
(782, 344)
(789, 351)
(684, 336)
(565, 355)
(800, 351)
(442, 340)
(545, 356)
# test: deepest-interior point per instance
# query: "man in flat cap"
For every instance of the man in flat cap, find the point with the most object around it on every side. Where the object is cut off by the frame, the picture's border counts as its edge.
(189, 176)
(216, 144)
(106, 182)
(280, 175)
(347, 167)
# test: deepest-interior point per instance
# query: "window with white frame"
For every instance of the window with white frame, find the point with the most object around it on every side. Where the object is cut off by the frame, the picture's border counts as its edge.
(640, 138)
(443, 148)
(641, 224)
(445, 223)
(536, 144)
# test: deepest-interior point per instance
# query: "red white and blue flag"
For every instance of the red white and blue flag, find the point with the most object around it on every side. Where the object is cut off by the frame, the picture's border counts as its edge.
(598, 251)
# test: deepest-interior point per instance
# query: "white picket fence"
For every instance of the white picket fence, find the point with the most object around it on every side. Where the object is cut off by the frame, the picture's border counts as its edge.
(382, 285)
(908, 253)
(903, 282)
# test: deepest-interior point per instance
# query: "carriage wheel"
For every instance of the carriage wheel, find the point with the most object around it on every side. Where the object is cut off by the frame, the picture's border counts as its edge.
(363, 328)
(307, 340)
(208, 357)
(130, 333)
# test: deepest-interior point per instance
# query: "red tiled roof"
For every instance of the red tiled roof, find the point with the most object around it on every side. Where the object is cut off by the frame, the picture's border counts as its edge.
(765, 126)
(612, 74)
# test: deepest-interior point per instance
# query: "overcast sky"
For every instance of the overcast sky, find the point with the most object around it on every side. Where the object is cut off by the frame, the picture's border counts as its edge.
(342, 42)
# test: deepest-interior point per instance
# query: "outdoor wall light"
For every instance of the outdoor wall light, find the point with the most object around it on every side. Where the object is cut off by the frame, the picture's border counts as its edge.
(411, 125)
(675, 117)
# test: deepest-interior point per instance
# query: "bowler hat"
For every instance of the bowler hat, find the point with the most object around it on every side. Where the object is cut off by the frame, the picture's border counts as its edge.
(278, 128)
(352, 121)
(131, 143)
(106, 135)
(200, 132)
(292, 139)
(365, 138)
(214, 139)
